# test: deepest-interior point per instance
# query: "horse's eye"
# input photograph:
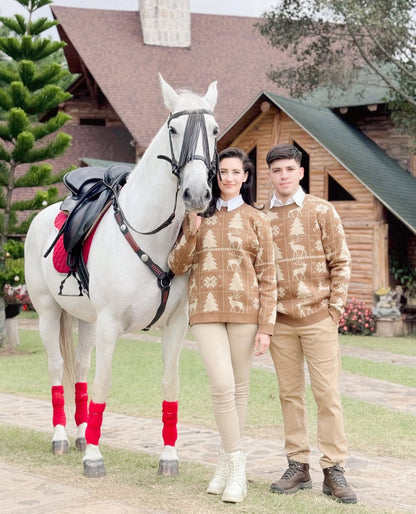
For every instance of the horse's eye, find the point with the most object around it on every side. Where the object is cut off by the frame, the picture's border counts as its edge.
(172, 130)
(215, 131)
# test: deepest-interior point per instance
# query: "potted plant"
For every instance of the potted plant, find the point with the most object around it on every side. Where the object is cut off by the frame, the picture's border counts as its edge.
(405, 275)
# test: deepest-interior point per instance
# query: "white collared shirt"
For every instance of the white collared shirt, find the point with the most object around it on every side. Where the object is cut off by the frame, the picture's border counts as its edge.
(230, 204)
(297, 198)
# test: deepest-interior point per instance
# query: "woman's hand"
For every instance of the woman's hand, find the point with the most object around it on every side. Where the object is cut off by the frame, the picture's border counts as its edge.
(261, 343)
(194, 221)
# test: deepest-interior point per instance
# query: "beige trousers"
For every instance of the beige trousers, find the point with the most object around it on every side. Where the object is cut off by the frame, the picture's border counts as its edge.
(227, 351)
(318, 344)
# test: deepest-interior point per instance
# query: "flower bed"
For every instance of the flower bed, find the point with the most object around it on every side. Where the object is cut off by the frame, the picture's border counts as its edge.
(357, 319)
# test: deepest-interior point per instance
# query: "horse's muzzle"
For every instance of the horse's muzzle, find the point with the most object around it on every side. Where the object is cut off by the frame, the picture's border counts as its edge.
(196, 203)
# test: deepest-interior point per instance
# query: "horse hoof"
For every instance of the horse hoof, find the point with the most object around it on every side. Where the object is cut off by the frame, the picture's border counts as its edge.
(94, 468)
(60, 447)
(81, 444)
(168, 467)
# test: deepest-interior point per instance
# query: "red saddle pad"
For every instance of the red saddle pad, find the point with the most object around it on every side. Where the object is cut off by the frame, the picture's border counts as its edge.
(60, 254)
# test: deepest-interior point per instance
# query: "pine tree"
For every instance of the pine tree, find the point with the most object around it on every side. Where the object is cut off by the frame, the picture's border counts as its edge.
(29, 88)
(209, 262)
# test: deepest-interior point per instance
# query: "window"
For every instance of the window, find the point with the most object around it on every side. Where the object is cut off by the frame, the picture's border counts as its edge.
(336, 193)
(98, 122)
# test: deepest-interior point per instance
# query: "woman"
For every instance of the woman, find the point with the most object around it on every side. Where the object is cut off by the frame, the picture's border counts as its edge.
(232, 304)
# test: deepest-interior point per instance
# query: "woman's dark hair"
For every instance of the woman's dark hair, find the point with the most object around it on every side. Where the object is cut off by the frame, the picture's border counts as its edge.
(246, 187)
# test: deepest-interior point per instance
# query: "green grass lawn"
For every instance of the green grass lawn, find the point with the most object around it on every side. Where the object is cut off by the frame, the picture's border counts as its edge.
(401, 345)
(136, 391)
(132, 479)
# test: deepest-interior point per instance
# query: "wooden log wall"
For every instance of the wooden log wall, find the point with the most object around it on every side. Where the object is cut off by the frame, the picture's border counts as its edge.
(363, 219)
(380, 128)
(80, 109)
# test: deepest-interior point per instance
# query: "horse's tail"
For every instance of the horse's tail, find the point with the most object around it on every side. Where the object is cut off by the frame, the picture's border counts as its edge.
(66, 344)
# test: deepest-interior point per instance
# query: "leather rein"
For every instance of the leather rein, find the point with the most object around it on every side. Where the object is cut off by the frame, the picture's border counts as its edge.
(194, 125)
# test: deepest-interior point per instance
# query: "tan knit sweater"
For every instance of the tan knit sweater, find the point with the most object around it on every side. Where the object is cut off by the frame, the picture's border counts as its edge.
(233, 276)
(313, 263)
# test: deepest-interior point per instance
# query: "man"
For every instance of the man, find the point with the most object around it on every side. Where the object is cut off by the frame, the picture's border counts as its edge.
(313, 270)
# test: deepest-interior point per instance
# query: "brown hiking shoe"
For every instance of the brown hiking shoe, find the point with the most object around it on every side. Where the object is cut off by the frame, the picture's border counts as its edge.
(336, 486)
(294, 478)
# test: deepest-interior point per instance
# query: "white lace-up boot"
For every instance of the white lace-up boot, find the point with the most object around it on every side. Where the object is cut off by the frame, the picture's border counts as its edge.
(219, 480)
(236, 488)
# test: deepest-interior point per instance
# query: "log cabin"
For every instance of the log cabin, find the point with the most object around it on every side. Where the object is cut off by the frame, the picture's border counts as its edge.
(370, 190)
(352, 154)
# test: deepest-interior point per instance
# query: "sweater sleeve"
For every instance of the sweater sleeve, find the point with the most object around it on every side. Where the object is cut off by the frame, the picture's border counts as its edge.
(339, 261)
(266, 276)
(181, 257)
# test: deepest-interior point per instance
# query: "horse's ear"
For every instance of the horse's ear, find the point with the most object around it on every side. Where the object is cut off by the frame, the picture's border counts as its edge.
(212, 95)
(170, 96)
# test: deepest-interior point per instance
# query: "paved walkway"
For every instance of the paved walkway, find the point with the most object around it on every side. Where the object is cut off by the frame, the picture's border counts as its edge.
(383, 482)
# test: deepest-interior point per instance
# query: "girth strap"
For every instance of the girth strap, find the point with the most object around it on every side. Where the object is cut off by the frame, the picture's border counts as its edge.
(164, 278)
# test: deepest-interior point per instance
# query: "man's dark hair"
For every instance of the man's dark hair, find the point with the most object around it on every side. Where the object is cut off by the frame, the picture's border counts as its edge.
(284, 151)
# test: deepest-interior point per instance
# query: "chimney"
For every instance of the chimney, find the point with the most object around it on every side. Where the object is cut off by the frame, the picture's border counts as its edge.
(166, 22)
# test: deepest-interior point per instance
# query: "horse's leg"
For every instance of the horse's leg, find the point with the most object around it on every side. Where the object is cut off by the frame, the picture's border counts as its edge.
(173, 335)
(106, 337)
(86, 342)
(49, 329)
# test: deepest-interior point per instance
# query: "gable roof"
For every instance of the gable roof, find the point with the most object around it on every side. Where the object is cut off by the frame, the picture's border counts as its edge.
(392, 185)
(88, 161)
(366, 89)
(109, 44)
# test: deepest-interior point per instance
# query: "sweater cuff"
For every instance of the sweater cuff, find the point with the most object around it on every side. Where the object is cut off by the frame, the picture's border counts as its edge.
(334, 314)
(266, 328)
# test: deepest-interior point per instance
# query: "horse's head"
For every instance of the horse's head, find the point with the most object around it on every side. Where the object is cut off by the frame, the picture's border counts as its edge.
(193, 143)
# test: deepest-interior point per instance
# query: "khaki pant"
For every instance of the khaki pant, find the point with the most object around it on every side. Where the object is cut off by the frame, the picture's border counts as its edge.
(227, 351)
(318, 344)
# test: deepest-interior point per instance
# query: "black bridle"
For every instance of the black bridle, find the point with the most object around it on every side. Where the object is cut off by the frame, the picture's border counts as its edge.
(195, 126)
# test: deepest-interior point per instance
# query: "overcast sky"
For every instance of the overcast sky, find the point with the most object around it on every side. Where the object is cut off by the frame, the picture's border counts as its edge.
(234, 7)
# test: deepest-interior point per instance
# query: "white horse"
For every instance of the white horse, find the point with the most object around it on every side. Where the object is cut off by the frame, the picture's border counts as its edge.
(124, 293)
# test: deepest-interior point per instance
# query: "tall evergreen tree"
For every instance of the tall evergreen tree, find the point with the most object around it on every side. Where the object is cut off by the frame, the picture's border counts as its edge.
(30, 87)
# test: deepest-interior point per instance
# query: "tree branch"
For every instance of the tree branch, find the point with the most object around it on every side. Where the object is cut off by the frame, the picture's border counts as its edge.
(382, 75)
(391, 58)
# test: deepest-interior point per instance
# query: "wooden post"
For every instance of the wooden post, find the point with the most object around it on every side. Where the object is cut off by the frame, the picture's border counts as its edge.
(12, 331)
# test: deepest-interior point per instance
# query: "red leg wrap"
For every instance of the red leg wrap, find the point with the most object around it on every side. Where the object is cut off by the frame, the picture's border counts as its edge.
(58, 404)
(95, 420)
(81, 403)
(170, 419)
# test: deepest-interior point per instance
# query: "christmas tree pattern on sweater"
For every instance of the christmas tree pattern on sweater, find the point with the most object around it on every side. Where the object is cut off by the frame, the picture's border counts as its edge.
(232, 268)
(312, 261)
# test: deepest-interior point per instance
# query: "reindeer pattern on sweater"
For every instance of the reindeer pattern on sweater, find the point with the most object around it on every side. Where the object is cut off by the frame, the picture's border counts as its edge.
(232, 269)
(313, 263)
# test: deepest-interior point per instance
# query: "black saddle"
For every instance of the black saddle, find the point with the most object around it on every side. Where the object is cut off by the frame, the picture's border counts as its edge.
(91, 191)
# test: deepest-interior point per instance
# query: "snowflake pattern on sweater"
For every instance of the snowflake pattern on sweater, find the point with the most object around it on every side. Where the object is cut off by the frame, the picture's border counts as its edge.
(232, 270)
(313, 263)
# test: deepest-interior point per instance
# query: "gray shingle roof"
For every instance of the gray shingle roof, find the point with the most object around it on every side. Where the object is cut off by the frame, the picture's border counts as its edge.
(392, 185)
(366, 89)
(104, 163)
